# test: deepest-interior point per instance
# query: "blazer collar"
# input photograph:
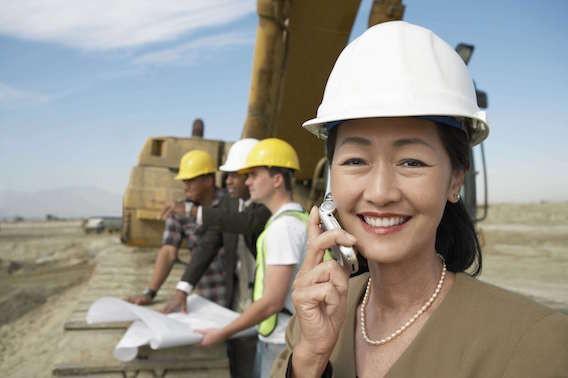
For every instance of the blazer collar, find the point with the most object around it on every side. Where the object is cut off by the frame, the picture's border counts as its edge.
(343, 357)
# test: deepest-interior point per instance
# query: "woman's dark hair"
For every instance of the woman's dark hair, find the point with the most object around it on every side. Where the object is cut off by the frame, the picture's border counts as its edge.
(456, 239)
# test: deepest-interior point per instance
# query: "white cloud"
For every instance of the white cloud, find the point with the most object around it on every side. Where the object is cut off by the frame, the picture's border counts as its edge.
(11, 94)
(110, 24)
(187, 52)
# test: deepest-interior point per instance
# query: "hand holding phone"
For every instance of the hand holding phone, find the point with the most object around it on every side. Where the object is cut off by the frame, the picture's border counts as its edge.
(342, 254)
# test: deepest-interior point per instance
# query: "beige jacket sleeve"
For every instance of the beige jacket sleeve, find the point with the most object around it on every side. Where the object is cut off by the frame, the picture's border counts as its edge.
(281, 363)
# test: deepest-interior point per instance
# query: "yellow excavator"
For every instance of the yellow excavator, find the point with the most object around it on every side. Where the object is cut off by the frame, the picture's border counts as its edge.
(297, 43)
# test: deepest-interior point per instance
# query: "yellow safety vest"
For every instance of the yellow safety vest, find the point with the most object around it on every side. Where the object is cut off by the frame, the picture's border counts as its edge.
(267, 326)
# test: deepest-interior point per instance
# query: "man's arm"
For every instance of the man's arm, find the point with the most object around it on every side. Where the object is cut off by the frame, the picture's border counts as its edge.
(276, 283)
(201, 257)
(167, 255)
(249, 221)
(208, 247)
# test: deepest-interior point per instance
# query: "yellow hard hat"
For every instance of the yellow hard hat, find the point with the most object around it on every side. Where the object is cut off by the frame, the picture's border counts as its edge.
(195, 163)
(272, 152)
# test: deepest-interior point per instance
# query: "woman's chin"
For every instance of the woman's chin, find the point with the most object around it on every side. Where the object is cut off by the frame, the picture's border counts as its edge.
(385, 254)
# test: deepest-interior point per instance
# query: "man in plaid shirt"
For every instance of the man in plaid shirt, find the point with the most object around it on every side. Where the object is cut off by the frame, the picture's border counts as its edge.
(197, 171)
(180, 227)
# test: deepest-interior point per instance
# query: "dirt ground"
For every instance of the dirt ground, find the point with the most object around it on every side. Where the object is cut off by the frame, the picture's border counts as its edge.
(526, 250)
(45, 266)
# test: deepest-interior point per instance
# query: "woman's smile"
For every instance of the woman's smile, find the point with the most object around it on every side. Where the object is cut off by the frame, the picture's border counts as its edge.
(383, 224)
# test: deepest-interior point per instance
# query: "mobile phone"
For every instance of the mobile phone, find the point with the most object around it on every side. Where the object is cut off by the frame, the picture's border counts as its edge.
(342, 254)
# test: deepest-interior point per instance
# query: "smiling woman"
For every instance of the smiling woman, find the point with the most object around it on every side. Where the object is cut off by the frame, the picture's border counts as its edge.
(399, 161)
(400, 116)
(422, 148)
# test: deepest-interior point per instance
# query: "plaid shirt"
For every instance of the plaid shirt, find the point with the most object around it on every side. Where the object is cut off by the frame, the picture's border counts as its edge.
(212, 283)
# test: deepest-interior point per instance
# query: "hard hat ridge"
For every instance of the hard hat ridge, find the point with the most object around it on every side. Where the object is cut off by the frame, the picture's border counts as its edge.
(273, 152)
(195, 163)
(237, 156)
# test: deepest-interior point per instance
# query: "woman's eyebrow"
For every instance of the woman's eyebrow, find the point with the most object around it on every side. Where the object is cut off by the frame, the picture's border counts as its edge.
(356, 140)
(407, 141)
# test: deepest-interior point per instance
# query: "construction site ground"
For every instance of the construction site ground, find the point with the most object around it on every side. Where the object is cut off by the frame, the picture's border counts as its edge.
(50, 272)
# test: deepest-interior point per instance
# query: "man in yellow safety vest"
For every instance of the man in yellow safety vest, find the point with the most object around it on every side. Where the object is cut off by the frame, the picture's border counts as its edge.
(280, 250)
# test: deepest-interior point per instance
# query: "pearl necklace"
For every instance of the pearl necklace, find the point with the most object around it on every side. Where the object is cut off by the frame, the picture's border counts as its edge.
(410, 321)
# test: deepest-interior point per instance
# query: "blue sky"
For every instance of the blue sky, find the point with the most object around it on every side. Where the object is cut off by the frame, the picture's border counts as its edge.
(81, 88)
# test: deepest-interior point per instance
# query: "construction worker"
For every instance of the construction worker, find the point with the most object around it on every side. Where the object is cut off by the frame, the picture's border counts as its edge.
(400, 116)
(271, 165)
(238, 258)
(197, 171)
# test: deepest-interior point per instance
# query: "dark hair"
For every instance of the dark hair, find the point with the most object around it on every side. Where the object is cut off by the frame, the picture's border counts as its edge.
(287, 175)
(456, 239)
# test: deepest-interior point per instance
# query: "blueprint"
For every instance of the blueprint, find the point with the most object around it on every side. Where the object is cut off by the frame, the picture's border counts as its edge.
(157, 329)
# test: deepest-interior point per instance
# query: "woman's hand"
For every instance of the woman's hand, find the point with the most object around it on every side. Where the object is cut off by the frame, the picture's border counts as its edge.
(319, 296)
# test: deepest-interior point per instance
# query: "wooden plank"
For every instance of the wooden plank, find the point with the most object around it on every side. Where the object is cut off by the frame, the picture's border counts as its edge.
(93, 348)
(86, 349)
(139, 370)
(72, 325)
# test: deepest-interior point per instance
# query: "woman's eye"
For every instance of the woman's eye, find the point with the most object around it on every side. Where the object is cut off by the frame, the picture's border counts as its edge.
(413, 163)
(353, 161)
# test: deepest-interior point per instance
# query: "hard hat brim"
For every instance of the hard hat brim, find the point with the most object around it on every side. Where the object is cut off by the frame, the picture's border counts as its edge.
(478, 127)
(228, 168)
(232, 168)
(191, 177)
(248, 168)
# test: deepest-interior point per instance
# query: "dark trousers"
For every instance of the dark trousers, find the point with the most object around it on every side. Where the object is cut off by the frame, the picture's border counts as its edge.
(241, 352)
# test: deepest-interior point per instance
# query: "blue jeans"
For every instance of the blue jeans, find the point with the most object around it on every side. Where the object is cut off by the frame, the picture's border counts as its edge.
(266, 353)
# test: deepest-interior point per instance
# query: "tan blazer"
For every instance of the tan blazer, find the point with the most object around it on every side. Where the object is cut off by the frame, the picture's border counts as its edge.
(479, 330)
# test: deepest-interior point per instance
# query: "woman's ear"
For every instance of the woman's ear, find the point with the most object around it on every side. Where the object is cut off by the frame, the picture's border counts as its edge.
(456, 183)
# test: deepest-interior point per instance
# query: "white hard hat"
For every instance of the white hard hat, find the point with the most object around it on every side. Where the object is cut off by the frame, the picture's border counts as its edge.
(237, 156)
(396, 69)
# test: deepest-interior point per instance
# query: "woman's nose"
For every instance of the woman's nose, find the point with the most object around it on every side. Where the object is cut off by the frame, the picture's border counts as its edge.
(382, 187)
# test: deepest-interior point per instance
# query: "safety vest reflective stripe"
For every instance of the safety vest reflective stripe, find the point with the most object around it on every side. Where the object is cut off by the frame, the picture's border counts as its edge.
(267, 326)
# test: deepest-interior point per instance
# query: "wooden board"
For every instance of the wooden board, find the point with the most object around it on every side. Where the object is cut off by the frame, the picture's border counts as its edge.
(86, 349)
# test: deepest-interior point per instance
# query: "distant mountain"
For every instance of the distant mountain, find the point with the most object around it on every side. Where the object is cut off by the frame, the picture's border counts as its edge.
(70, 202)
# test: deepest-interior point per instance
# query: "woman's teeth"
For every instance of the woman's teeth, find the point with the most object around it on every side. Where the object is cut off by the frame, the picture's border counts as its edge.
(384, 221)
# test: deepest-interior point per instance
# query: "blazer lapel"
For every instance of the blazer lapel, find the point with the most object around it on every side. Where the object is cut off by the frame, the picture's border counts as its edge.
(343, 356)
